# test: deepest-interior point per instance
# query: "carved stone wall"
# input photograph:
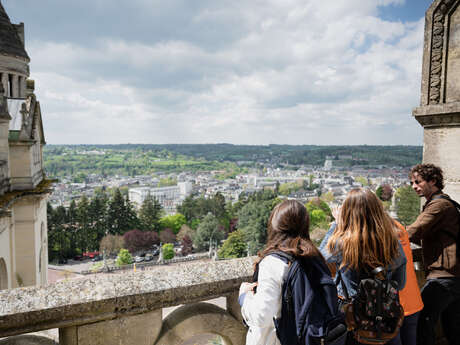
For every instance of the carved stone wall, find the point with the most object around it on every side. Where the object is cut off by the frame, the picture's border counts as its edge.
(439, 110)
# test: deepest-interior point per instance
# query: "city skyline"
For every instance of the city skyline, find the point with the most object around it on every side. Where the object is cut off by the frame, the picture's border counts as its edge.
(291, 72)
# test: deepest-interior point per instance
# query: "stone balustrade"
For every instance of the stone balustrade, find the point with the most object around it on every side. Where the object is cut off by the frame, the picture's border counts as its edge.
(127, 308)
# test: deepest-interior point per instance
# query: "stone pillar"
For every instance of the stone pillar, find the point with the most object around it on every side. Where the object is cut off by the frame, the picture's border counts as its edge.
(140, 329)
(233, 307)
(5, 83)
(15, 86)
(22, 87)
(439, 110)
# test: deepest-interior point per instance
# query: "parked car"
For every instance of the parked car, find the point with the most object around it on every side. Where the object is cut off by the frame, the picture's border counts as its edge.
(138, 259)
(156, 252)
(97, 258)
(78, 257)
(148, 257)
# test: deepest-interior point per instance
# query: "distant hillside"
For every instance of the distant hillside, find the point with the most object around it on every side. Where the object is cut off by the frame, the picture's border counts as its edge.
(131, 159)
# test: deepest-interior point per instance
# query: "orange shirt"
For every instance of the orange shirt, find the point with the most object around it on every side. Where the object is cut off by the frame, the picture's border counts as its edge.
(409, 297)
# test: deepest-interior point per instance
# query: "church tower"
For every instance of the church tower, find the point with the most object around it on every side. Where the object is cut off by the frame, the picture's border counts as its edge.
(23, 187)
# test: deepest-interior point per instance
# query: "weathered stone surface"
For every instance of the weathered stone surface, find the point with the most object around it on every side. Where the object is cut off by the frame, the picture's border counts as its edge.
(439, 110)
(106, 297)
(27, 340)
(453, 59)
(141, 329)
(201, 318)
(441, 53)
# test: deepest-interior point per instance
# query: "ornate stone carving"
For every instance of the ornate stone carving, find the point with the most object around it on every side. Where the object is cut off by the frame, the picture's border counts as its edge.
(437, 44)
(437, 47)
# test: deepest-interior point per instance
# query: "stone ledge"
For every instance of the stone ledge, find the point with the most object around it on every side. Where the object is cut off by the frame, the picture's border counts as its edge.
(104, 297)
(437, 109)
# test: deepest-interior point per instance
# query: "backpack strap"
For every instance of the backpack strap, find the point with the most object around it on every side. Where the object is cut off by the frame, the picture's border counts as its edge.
(285, 257)
(445, 197)
(457, 207)
(344, 287)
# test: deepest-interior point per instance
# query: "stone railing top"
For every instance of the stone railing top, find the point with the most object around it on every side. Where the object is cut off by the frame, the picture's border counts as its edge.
(103, 297)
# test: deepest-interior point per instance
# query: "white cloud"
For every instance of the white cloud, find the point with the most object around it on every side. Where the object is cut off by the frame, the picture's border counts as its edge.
(298, 72)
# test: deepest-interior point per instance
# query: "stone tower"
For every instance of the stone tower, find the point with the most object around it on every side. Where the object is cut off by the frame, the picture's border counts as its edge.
(23, 187)
(439, 110)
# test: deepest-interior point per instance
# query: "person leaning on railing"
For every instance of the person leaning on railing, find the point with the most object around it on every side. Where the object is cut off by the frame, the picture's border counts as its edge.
(437, 230)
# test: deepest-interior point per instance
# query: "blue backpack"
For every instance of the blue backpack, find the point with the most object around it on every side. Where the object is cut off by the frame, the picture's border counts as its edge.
(309, 308)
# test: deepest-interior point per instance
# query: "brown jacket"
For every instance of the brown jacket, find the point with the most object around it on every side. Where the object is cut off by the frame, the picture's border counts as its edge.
(436, 229)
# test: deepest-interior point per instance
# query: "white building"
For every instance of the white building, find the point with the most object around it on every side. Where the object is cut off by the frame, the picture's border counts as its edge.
(169, 197)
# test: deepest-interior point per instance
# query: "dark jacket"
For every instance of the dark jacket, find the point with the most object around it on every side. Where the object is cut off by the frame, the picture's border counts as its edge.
(436, 229)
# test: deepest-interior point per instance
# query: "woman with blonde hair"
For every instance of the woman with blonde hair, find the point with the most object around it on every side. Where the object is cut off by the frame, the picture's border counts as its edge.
(363, 239)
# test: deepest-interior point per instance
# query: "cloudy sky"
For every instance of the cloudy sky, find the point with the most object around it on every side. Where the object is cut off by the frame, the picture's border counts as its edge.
(321, 72)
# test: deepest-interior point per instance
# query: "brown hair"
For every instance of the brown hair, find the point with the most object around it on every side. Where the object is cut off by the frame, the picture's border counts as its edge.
(429, 172)
(288, 231)
(365, 233)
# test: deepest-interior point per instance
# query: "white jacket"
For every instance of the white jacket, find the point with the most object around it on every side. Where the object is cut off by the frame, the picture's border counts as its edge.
(259, 309)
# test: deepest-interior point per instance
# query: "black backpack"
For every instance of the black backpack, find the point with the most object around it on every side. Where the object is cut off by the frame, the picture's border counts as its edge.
(309, 307)
(374, 314)
(457, 207)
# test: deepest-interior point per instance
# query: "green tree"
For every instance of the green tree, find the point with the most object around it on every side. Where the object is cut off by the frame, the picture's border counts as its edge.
(115, 213)
(53, 235)
(124, 257)
(328, 197)
(317, 218)
(234, 246)
(207, 231)
(290, 187)
(168, 251)
(174, 222)
(187, 209)
(63, 245)
(168, 181)
(121, 216)
(252, 220)
(407, 204)
(130, 220)
(73, 228)
(150, 214)
(361, 179)
(319, 212)
(318, 204)
(85, 235)
(98, 218)
(218, 207)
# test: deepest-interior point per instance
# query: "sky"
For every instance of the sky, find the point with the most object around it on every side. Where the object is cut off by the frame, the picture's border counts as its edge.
(342, 72)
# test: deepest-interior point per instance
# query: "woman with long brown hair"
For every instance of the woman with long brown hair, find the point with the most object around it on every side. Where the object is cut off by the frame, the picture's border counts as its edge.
(288, 232)
(363, 239)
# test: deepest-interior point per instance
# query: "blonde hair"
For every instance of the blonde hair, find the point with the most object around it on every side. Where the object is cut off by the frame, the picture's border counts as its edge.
(365, 234)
